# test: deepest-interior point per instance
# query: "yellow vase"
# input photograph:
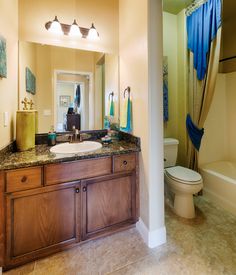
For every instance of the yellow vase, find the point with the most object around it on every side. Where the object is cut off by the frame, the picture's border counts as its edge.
(25, 130)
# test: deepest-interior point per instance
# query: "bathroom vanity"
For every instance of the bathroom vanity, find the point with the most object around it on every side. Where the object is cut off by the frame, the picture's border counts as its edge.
(50, 203)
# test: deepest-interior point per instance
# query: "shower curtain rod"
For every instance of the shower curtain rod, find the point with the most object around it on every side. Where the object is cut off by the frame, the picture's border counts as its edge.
(194, 6)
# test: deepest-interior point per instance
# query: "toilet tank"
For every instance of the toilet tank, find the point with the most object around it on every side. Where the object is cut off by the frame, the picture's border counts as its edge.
(170, 151)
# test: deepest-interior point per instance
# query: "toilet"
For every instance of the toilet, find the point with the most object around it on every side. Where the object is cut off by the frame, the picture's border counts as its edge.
(182, 182)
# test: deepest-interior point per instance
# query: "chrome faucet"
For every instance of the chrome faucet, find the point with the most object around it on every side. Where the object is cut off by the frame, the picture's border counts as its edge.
(76, 136)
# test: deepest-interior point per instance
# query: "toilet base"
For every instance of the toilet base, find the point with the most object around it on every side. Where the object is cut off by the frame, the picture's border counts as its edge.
(184, 206)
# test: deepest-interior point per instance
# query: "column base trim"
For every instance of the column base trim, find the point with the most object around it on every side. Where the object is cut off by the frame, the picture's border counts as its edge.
(151, 238)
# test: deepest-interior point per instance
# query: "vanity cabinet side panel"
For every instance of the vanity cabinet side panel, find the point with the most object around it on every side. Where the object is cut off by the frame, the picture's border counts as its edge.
(2, 220)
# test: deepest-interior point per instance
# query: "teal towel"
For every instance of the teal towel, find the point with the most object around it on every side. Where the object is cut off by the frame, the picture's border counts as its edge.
(128, 127)
(112, 112)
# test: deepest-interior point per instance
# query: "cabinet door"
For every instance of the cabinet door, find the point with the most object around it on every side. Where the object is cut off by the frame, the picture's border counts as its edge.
(108, 203)
(41, 219)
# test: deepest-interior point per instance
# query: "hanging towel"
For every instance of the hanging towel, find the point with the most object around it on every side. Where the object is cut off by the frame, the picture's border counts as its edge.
(111, 107)
(165, 102)
(126, 116)
(195, 134)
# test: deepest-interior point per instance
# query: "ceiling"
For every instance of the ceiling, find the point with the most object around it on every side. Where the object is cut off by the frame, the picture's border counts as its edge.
(175, 6)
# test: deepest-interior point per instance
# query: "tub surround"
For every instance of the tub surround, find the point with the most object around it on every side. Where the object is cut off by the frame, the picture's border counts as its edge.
(220, 183)
(49, 202)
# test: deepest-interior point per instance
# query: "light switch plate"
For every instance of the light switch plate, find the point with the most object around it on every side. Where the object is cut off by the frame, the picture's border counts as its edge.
(47, 112)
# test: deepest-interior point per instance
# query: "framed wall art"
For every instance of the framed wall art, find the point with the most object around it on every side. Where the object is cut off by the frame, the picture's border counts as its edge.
(3, 57)
(30, 81)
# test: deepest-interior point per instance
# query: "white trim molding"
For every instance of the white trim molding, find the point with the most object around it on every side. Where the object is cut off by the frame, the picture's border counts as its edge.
(151, 238)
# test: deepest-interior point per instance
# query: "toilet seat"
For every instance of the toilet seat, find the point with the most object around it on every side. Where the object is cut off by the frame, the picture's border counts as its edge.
(183, 175)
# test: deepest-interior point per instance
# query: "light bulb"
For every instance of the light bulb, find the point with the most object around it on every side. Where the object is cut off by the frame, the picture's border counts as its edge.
(56, 27)
(93, 34)
(75, 30)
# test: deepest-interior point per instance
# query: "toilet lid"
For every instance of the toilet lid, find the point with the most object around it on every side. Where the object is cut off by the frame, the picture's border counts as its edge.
(183, 174)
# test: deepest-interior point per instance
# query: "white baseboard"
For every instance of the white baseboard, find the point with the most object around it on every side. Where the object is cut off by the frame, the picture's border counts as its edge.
(151, 238)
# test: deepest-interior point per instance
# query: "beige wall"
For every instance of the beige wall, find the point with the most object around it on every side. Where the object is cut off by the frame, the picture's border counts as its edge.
(170, 50)
(34, 14)
(141, 69)
(27, 58)
(8, 86)
(134, 73)
(182, 70)
(174, 47)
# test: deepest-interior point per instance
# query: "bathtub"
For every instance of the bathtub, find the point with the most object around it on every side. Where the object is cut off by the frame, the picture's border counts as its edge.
(219, 183)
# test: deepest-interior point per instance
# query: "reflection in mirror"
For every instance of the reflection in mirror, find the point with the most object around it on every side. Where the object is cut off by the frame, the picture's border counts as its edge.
(72, 86)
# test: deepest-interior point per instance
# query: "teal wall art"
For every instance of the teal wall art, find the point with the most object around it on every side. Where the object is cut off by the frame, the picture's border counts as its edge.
(30, 81)
(3, 57)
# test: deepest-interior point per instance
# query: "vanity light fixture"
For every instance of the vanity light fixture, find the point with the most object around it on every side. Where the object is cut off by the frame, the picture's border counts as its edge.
(55, 26)
(75, 30)
(72, 30)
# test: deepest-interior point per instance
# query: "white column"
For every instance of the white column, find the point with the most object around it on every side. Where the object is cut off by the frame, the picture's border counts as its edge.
(154, 234)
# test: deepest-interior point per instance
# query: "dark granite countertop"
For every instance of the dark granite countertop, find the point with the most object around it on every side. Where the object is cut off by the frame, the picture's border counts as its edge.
(41, 155)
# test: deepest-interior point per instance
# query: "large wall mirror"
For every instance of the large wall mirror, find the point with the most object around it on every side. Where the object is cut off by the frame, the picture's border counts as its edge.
(72, 88)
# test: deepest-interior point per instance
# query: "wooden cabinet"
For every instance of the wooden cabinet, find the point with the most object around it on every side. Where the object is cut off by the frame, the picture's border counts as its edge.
(42, 219)
(60, 205)
(107, 202)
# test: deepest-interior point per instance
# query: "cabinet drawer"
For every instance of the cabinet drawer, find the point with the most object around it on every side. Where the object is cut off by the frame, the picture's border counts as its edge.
(64, 172)
(23, 179)
(124, 163)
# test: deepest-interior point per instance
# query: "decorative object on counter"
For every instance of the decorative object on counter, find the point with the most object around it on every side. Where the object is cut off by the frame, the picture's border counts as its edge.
(52, 136)
(106, 140)
(106, 122)
(25, 103)
(113, 134)
(126, 112)
(111, 107)
(3, 57)
(72, 30)
(25, 130)
(30, 81)
(31, 104)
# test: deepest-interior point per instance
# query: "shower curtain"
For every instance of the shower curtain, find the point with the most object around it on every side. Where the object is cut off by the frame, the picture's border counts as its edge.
(204, 38)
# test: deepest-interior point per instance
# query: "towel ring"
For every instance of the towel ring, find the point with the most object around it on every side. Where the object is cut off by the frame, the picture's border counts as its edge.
(128, 91)
(111, 95)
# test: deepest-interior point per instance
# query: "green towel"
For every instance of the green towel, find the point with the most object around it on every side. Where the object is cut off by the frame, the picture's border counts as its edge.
(111, 111)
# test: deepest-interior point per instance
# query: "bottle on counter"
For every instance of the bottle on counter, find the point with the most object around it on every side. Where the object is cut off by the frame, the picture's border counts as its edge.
(52, 137)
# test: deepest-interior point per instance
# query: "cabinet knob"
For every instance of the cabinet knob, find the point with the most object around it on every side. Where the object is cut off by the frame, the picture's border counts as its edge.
(24, 179)
(77, 190)
(84, 189)
(125, 162)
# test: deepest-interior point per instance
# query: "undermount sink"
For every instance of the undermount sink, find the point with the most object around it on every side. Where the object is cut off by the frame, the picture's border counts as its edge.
(75, 148)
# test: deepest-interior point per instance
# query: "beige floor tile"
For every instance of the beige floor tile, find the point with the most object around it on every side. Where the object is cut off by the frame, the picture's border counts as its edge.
(118, 250)
(27, 269)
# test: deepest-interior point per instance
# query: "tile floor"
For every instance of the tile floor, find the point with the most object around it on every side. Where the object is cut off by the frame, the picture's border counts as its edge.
(205, 245)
